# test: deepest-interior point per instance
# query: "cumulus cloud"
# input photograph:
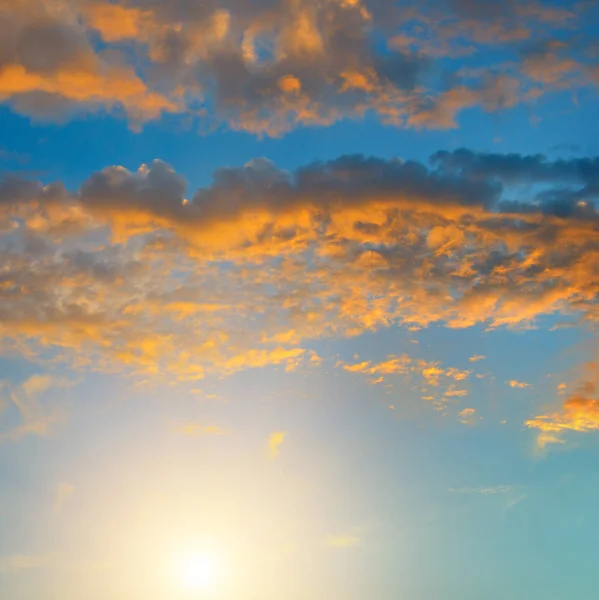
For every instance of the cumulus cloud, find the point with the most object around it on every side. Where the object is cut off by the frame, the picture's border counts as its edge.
(48, 66)
(267, 67)
(135, 271)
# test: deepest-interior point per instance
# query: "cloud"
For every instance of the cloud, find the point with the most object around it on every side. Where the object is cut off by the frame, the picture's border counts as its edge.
(431, 373)
(512, 495)
(579, 413)
(394, 365)
(452, 392)
(135, 272)
(114, 22)
(49, 66)
(275, 441)
(518, 384)
(468, 416)
(545, 439)
(36, 417)
(477, 357)
(269, 67)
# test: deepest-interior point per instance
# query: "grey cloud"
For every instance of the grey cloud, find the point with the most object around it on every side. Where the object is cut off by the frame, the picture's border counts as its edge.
(155, 188)
(43, 106)
(232, 56)
(458, 178)
(158, 190)
(517, 168)
(46, 46)
(14, 189)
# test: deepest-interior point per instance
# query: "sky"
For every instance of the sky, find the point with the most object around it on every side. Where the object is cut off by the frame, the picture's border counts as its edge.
(298, 299)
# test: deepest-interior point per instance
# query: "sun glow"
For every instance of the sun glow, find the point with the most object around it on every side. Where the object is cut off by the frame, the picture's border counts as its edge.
(197, 572)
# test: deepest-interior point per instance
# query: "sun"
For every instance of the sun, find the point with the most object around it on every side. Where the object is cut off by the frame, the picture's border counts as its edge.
(197, 572)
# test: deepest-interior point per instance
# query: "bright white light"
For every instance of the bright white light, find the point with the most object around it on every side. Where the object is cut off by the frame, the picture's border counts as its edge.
(196, 572)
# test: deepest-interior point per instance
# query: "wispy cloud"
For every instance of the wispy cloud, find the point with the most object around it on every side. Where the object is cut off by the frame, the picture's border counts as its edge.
(513, 383)
(509, 495)
(36, 417)
(477, 357)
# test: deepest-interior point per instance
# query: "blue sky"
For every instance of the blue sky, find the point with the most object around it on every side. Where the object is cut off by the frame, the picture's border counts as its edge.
(298, 300)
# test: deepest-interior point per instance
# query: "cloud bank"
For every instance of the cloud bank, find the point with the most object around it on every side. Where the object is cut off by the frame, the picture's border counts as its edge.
(269, 66)
(131, 269)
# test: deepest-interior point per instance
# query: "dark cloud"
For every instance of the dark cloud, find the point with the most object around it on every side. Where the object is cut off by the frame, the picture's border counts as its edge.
(518, 169)
(457, 178)
(154, 188)
(46, 46)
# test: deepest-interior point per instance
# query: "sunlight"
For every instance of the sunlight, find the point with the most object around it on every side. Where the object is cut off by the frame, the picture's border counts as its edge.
(197, 572)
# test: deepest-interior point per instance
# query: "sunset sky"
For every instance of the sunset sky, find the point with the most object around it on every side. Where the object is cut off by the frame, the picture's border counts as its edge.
(298, 299)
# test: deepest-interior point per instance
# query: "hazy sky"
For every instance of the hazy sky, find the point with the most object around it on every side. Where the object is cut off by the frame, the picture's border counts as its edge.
(303, 290)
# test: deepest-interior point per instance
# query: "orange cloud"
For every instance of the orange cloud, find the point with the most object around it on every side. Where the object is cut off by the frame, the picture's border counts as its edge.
(248, 271)
(290, 84)
(452, 392)
(106, 86)
(268, 68)
(578, 414)
(477, 357)
(115, 22)
(468, 416)
(393, 365)
(430, 372)
(518, 384)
